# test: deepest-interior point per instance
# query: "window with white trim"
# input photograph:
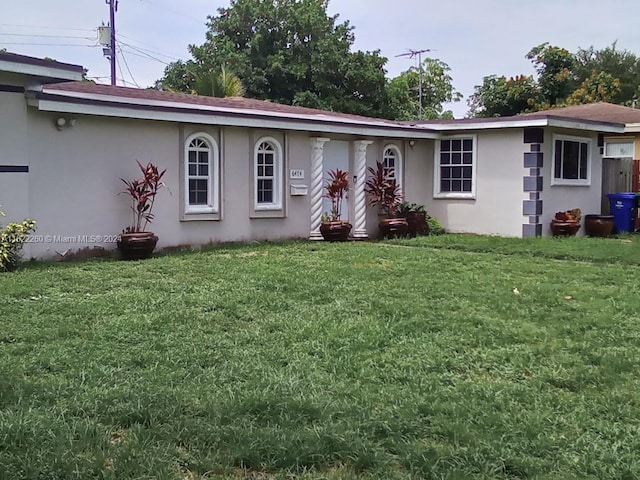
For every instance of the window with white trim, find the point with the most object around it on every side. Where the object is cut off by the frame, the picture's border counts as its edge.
(455, 167)
(201, 174)
(571, 160)
(268, 174)
(392, 161)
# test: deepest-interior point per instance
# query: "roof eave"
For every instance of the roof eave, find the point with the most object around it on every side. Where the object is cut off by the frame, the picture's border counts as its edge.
(186, 113)
(547, 121)
(46, 73)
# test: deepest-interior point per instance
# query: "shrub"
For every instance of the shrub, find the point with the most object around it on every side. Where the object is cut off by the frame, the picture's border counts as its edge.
(435, 227)
(12, 238)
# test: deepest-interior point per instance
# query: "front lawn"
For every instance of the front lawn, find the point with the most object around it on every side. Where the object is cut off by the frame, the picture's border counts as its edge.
(448, 357)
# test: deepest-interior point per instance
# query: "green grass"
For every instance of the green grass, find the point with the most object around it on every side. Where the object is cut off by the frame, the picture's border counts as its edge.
(397, 360)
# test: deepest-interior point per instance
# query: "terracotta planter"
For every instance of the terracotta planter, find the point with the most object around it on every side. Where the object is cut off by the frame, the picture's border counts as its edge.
(564, 229)
(417, 222)
(598, 225)
(393, 227)
(136, 246)
(335, 231)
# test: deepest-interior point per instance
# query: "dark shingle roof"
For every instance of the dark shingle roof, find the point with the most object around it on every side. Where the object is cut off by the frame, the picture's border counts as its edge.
(239, 103)
(599, 112)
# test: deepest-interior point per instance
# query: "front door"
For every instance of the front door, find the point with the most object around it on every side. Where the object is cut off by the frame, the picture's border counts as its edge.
(336, 155)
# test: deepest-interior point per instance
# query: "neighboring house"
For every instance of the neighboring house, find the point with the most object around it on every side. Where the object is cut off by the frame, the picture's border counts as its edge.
(242, 169)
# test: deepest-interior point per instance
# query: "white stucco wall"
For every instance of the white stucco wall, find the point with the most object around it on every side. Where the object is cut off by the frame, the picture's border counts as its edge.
(75, 178)
(14, 187)
(497, 207)
(558, 198)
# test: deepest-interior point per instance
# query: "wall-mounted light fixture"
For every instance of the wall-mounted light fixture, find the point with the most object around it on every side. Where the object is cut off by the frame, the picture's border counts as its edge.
(412, 143)
(64, 122)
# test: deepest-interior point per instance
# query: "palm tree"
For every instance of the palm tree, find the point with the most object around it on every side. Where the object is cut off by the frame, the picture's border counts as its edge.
(219, 84)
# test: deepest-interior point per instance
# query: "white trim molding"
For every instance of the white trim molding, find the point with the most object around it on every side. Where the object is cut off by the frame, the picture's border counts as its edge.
(360, 172)
(212, 177)
(568, 182)
(277, 177)
(398, 164)
(468, 195)
(317, 158)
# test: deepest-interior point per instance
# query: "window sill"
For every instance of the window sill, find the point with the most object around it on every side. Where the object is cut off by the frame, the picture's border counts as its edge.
(455, 195)
(273, 213)
(570, 183)
(200, 216)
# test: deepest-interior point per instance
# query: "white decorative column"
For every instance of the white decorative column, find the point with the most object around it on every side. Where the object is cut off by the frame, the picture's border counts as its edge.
(317, 156)
(360, 172)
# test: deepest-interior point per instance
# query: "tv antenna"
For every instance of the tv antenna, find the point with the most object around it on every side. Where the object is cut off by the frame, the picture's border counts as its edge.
(417, 54)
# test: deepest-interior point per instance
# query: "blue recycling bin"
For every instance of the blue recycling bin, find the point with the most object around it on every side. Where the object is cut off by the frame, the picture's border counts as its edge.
(624, 208)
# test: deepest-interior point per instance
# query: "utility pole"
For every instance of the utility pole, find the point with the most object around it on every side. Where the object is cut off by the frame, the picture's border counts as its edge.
(113, 8)
(418, 54)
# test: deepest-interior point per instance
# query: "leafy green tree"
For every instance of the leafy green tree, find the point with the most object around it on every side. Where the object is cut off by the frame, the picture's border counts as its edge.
(287, 51)
(599, 87)
(563, 78)
(554, 66)
(500, 97)
(403, 92)
(619, 64)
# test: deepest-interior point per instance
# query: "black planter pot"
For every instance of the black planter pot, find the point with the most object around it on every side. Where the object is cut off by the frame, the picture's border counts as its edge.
(136, 246)
(393, 227)
(335, 231)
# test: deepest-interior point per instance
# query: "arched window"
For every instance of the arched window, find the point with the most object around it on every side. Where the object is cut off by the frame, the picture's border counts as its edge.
(201, 174)
(392, 161)
(268, 174)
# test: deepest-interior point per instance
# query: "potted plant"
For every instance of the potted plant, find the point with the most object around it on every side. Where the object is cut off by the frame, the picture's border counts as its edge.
(416, 217)
(566, 223)
(332, 227)
(135, 242)
(384, 192)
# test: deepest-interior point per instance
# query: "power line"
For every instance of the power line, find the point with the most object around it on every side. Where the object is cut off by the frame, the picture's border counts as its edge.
(142, 53)
(128, 69)
(47, 27)
(121, 74)
(43, 36)
(157, 51)
(48, 44)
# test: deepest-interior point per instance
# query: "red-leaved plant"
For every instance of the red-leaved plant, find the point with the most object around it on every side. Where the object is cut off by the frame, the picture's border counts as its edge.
(336, 188)
(382, 190)
(143, 192)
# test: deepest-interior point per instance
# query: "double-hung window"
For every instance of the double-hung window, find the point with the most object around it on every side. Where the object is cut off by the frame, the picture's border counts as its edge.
(268, 174)
(571, 160)
(201, 174)
(455, 167)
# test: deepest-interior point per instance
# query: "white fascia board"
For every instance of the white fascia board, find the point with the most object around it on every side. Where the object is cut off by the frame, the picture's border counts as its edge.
(539, 122)
(219, 118)
(593, 127)
(40, 71)
(632, 128)
(526, 123)
(400, 130)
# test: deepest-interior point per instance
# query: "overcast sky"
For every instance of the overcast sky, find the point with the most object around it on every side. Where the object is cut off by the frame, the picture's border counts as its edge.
(475, 37)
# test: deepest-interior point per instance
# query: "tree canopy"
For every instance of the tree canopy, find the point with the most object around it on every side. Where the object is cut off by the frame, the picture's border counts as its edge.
(562, 78)
(404, 92)
(293, 52)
